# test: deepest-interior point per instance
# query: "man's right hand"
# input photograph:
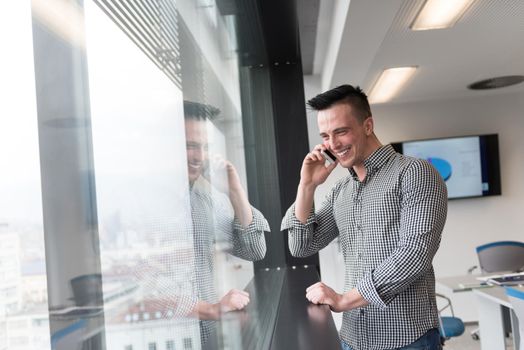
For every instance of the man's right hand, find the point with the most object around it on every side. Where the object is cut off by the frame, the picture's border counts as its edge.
(314, 171)
(234, 300)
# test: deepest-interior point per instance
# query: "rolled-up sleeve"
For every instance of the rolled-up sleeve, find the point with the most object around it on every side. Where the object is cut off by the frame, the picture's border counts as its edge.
(422, 219)
(318, 231)
(249, 242)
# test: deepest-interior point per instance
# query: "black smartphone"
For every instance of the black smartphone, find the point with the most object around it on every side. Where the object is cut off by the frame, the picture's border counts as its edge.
(329, 156)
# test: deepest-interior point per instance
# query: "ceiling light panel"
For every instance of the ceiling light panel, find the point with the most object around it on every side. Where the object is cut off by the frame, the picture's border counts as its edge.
(438, 14)
(389, 83)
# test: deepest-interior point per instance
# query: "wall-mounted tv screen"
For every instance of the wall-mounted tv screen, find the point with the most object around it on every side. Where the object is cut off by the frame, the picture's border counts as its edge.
(468, 164)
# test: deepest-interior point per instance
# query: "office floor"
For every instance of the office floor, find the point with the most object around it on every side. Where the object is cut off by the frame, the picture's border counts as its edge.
(464, 342)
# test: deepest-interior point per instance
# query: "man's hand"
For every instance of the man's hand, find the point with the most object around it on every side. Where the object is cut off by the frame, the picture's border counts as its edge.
(319, 293)
(225, 176)
(314, 171)
(227, 180)
(234, 300)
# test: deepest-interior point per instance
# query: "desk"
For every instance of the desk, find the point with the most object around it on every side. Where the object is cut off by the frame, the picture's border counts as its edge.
(491, 302)
(459, 290)
(279, 317)
(516, 296)
(464, 283)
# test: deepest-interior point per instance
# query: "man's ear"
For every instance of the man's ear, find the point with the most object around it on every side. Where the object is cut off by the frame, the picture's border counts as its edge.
(368, 125)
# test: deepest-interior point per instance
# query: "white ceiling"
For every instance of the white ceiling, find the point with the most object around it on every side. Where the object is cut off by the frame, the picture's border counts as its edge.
(487, 42)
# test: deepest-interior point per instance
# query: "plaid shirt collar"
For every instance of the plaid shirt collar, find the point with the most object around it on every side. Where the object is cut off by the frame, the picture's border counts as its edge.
(375, 161)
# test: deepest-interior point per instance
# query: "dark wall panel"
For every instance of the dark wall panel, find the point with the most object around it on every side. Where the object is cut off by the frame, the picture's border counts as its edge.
(275, 126)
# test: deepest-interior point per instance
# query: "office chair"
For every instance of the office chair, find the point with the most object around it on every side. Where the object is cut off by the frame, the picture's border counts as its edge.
(516, 297)
(450, 326)
(500, 256)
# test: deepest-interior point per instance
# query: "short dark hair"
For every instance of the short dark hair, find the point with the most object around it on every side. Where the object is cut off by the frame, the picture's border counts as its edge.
(353, 96)
(199, 111)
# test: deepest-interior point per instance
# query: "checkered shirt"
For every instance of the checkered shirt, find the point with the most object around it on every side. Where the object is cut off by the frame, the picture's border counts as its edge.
(214, 223)
(389, 226)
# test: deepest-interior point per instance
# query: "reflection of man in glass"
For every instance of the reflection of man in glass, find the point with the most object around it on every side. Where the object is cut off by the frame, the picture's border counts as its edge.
(221, 215)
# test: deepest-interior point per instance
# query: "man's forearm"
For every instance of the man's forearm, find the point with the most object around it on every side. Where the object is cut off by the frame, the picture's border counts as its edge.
(241, 206)
(304, 201)
(206, 311)
(320, 293)
(351, 300)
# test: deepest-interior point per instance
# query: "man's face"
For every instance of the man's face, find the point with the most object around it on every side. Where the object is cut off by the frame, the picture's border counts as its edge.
(196, 148)
(344, 135)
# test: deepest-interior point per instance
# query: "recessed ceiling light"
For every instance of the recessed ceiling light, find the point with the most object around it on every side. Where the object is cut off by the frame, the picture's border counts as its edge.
(497, 82)
(389, 83)
(438, 14)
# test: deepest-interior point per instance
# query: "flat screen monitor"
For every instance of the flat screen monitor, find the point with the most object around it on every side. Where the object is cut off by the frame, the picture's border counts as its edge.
(468, 164)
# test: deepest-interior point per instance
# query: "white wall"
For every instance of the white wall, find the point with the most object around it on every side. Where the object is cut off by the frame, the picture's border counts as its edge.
(470, 222)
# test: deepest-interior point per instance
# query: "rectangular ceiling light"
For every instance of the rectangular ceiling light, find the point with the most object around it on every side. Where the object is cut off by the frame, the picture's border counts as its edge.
(389, 83)
(438, 14)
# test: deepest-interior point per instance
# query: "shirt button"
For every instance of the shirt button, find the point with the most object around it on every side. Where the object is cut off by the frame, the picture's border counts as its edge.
(362, 312)
(359, 227)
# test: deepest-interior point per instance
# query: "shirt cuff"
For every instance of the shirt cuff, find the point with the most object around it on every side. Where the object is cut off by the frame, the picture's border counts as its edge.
(367, 289)
(291, 221)
(258, 223)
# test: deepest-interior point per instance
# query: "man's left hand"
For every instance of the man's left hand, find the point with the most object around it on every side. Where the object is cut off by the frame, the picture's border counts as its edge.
(320, 293)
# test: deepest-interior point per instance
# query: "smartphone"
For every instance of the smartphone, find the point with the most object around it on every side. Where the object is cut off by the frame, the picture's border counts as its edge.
(329, 156)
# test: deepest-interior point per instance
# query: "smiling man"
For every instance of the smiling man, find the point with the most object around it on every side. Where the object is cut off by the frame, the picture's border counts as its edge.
(388, 212)
(220, 212)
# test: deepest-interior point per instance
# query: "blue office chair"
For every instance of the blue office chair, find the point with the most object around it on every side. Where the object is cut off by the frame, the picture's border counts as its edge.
(450, 326)
(501, 256)
(516, 297)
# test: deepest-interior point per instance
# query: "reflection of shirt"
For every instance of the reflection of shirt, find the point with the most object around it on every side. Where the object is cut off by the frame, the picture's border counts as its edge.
(389, 227)
(214, 223)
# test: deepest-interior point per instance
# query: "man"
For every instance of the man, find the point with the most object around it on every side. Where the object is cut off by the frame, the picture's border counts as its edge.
(219, 219)
(388, 213)
(221, 213)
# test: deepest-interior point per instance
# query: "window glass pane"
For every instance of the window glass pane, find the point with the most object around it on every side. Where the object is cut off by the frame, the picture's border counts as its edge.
(23, 285)
(170, 175)
(149, 232)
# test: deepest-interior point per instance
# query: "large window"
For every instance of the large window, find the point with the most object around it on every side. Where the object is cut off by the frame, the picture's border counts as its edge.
(123, 167)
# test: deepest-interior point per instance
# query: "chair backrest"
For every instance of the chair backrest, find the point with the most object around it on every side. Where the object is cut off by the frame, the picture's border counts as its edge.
(516, 297)
(501, 256)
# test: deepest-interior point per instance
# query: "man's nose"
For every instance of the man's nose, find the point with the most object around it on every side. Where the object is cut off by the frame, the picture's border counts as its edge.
(201, 153)
(334, 143)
